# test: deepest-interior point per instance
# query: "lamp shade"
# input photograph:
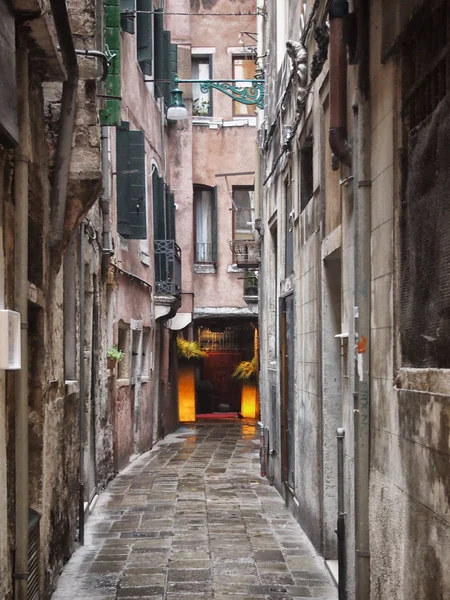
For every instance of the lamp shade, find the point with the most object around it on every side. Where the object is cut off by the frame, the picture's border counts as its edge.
(177, 110)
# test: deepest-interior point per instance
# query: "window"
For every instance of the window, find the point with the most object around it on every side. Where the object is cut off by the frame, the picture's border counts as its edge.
(123, 344)
(242, 212)
(205, 211)
(131, 183)
(146, 352)
(163, 209)
(136, 17)
(243, 68)
(136, 350)
(306, 175)
(289, 259)
(201, 101)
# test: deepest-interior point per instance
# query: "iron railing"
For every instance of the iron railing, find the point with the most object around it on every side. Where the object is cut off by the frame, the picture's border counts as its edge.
(246, 253)
(167, 267)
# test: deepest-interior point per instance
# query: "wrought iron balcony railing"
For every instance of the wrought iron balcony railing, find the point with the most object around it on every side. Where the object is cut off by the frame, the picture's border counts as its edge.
(167, 267)
(246, 253)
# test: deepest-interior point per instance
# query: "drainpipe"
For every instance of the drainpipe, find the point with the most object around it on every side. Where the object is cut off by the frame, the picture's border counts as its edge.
(362, 194)
(22, 154)
(342, 562)
(338, 82)
(105, 200)
(81, 408)
(66, 123)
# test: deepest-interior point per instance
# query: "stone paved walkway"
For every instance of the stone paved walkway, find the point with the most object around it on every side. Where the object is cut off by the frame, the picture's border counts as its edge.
(193, 520)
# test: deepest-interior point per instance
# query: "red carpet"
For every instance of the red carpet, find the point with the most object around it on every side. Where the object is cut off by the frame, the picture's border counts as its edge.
(218, 415)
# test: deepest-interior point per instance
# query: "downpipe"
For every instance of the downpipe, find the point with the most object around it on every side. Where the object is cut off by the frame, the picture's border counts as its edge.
(66, 124)
(342, 556)
(81, 410)
(21, 167)
(338, 82)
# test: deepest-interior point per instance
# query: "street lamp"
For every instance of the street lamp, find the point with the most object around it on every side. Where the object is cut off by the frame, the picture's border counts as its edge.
(250, 94)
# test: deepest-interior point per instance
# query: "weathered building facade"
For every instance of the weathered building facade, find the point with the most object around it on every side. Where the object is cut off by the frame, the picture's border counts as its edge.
(82, 178)
(352, 299)
(212, 167)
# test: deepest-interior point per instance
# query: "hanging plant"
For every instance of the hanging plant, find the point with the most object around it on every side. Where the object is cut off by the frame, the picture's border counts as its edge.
(189, 350)
(115, 354)
(247, 369)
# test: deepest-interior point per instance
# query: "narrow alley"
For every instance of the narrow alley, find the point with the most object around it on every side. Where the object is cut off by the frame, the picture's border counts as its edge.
(193, 519)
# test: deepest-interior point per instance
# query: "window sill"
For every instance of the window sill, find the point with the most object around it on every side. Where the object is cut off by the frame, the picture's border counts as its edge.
(204, 268)
(123, 383)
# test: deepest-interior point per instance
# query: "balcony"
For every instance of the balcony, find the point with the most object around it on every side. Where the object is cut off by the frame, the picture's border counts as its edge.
(167, 268)
(246, 253)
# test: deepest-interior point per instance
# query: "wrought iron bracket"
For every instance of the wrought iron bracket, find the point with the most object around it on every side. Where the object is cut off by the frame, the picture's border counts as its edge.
(249, 94)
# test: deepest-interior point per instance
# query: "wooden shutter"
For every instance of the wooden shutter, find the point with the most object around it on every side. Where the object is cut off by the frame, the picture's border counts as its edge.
(131, 183)
(127, 15)
(158, 207)
(166, 59)
(214, 226)
(111, 114)
(172, 235)
(144, 36)
(159, 52)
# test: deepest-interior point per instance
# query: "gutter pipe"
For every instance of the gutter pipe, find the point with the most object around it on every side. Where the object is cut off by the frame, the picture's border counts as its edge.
(105, 200)
(81, 408)
(21, 160)
(338, 82)
(362, 209)
(67, 121)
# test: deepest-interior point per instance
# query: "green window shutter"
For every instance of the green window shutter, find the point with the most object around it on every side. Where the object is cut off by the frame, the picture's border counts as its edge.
(127, 15)
(172, 217)
(159, 52)
(172, 69)
(111, 114)
(144, 36)
(214, 226)
(131, 184)
(122, 167)
(158, 207)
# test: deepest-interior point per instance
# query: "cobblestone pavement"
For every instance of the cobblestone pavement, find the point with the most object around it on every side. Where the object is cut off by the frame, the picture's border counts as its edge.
(193, 520)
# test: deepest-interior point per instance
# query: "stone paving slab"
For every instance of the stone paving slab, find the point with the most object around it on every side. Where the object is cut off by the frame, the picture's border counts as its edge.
(193, 520)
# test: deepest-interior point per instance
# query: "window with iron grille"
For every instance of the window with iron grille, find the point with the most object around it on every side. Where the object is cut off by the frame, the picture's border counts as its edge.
(425, 64)
(425, 215)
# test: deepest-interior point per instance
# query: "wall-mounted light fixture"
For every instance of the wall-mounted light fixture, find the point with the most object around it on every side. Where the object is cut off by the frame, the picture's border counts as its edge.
(250, 94)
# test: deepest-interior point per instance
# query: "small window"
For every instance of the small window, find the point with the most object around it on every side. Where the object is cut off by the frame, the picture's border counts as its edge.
(146, 352)
(201, 101)
(306, 175)
(242, 212)
(123, 344)
(205, 209)
(243, 68)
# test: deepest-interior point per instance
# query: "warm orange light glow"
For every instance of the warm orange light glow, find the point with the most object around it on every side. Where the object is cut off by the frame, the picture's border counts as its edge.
(186, 393)
(248, 401)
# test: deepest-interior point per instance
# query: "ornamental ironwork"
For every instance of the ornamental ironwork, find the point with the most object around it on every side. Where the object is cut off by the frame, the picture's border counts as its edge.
(167, 267)
(245, 91)
(246, 253)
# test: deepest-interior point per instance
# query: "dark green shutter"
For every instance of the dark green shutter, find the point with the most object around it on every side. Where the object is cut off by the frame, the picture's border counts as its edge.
(214, 226)
(159, 52)
(111, 114)
(172, 69)
(158, 207)
(144, 36)
(131, 183)
(172, 235)
(127, 15)
(166, 59)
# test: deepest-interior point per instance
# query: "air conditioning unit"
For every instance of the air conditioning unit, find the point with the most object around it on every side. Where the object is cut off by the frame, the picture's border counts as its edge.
(9, 340)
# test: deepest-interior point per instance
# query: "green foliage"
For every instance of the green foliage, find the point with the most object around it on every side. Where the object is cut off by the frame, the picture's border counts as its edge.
(115, 354)
(247, 369)
(200, 107)
(189, 350)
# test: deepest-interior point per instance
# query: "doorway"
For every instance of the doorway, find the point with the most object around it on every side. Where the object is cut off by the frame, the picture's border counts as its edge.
(334, 345)
(287, 392)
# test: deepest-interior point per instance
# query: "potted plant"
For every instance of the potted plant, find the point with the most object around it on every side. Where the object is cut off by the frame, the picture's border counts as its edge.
(189, 351)
(247, 372)
(114, 356)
